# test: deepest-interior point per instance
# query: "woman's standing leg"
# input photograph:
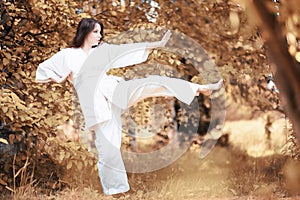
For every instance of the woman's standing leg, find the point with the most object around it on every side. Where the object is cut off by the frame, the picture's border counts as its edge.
(111, 168)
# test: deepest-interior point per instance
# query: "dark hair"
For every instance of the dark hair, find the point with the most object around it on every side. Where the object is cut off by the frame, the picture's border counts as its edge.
(85, 26)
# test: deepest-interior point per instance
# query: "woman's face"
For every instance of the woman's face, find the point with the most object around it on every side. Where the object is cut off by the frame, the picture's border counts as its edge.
(93, 38)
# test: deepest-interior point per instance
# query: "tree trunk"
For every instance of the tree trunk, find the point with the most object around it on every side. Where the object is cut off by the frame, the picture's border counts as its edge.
(287, 69)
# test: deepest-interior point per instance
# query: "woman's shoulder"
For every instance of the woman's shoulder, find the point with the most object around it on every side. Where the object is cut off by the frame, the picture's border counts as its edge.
(103, 44)
(109, 44)
(66, 50)
(69, 51)
(72, 49)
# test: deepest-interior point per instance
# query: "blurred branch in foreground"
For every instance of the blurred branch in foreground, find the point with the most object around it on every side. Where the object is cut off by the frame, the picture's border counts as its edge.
(287, 69)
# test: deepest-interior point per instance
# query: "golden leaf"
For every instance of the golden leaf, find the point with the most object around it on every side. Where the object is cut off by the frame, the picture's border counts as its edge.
(91, 162)
(67, 155)
(79, 165)
(114, 13)
(16, 98)
(5, 61)
(2, 182)
(86, 163)
(18, 137)
(69, 165)
(11, 138)
(83, 157)
(21, 106)
(65, 118)
(7, 55)
(61, 156)
(36, 110)
(2, 140)
(5, 109)
(43, 112)
(23, 117)
(70, 112)
(10, 115)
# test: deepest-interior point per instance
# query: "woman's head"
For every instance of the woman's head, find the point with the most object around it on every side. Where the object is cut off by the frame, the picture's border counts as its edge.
(89, 30)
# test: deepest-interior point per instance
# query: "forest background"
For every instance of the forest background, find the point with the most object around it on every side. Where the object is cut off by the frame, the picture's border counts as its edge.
(41, 153)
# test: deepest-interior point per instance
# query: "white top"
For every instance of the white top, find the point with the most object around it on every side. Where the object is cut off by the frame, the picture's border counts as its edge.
(92, 85)
(60, 65)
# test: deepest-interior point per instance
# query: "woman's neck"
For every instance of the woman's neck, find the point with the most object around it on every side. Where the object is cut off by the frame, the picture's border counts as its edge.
(86, 48)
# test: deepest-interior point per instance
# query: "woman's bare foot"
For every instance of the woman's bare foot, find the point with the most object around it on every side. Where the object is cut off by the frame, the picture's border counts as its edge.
(205, 92)
(208, 89)
(114, 196)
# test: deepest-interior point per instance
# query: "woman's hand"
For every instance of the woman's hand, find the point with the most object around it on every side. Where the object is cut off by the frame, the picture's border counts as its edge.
(162, 42)
(166, 38)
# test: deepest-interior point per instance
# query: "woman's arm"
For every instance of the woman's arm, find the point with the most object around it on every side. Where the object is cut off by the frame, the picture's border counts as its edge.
(53, 69)
(133, 53)
(162, 42)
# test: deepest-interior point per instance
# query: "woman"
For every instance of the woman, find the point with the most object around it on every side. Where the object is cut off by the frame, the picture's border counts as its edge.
(103, 98)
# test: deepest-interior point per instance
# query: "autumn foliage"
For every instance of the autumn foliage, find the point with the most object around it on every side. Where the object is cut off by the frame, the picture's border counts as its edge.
(32, 31)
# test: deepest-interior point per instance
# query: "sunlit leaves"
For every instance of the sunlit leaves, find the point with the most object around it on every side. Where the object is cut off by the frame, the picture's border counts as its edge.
(72, 155)
(31, 31)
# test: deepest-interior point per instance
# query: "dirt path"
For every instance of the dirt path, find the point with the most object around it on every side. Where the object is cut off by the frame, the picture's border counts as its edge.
(249, 167)
(226, 173)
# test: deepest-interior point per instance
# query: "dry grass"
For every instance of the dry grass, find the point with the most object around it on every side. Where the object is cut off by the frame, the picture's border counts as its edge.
(224, 174)
(232, 172)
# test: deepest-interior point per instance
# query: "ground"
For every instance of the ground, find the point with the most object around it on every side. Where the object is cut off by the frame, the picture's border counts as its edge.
(246, 166)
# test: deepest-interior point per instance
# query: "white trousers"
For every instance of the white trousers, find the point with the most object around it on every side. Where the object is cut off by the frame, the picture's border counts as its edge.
(108, 141)
(111, 168)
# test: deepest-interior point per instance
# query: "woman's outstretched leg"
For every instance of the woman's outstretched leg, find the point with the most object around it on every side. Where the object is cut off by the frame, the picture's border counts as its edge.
(164, 88)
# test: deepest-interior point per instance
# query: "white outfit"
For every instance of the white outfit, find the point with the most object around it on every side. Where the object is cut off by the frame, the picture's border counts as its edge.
(103, 98)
